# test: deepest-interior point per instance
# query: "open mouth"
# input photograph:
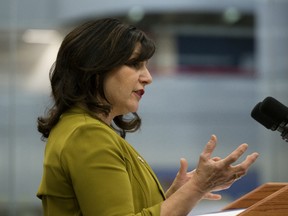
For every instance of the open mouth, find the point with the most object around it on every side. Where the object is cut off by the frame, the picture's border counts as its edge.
(140, 92)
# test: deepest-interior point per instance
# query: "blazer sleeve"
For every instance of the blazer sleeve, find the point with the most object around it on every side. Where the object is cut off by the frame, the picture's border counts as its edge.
(95, 164)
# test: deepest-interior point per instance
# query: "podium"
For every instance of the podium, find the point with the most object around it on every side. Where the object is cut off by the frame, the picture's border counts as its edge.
(270, 199)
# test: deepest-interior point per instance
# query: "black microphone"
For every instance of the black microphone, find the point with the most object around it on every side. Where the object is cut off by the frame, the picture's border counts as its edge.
(273, 115)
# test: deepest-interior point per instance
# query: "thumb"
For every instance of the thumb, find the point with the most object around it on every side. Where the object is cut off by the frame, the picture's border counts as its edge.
(183, 167)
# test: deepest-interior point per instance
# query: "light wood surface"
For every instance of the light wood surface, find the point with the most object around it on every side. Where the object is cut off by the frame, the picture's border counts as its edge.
(270, 199)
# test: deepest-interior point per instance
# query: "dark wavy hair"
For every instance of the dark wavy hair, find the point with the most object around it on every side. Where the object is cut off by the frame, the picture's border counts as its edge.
(87, 54)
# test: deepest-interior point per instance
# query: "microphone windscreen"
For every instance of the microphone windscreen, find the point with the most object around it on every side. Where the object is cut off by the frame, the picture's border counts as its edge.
(274, 109)
(266, 121)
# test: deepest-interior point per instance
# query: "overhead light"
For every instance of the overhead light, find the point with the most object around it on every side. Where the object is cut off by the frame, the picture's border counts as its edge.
(41, 36)
(231, 15)
(136, 13)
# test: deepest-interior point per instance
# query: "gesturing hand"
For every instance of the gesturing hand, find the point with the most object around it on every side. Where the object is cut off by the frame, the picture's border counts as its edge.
(211, 174)
(181, 178)
(214, 174)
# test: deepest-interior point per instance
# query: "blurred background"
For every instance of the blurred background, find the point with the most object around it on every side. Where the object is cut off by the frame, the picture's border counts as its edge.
(215, 61)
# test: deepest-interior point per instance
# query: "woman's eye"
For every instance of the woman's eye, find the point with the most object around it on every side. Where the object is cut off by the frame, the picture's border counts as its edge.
(136, 65)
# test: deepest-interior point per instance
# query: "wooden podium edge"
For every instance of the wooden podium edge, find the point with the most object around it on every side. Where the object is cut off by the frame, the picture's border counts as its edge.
(256, 195)
(275, 204)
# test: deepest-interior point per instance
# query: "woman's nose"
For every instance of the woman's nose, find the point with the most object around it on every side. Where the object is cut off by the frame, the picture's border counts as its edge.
(146, 77)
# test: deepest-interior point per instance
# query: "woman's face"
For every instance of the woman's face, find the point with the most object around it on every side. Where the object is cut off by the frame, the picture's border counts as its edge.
(125, 86)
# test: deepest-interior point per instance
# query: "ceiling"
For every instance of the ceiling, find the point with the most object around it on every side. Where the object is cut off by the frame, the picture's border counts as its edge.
(54, 13)
(16, 16)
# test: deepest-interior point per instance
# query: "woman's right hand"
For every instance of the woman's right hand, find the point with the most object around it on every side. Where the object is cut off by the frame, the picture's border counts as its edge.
(214, 173)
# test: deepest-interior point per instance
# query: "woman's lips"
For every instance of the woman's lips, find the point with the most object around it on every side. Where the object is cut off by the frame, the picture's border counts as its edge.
(140, 92)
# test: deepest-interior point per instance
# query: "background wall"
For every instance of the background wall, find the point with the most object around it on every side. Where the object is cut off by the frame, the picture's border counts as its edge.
(198, 90)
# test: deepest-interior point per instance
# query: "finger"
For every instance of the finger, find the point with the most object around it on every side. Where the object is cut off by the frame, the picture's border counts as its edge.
(235, 155)
(250, 159)
(212, 196)
(242, 167)
(183, 167)
(210, 146)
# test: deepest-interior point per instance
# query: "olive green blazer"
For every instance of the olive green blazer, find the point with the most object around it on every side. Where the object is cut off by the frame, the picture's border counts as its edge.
(90, 170)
